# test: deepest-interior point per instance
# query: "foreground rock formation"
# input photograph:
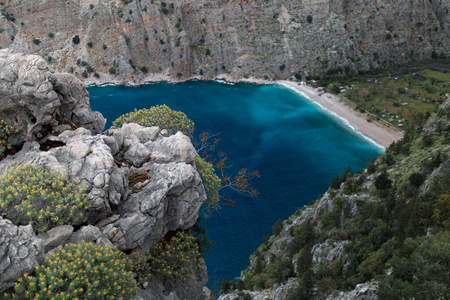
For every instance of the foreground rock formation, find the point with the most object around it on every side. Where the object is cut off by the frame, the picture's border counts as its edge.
(123, 215)
(36, 100)
(133, 41)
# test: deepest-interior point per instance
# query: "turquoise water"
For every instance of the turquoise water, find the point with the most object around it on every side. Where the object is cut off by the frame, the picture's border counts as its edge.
(296, 147)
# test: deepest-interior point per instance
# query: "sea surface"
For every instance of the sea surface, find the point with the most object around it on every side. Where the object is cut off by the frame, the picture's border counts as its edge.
(296, 147)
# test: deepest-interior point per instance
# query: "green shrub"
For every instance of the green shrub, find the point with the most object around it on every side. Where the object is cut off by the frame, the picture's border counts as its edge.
(76, 40)
(160, 115)
(144, 69)
(382, 182)
(36, 41)
(6, 131)
(211, 182)
(79, 271)
(90, 44)
(112, 71)
(45, 199)
(277, 227)
(309, 19)
(332, 88)
(51, 35)
(176, 258)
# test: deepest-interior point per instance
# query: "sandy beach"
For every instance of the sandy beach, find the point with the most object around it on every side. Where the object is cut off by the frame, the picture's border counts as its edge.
(377, 132)
(381, 134)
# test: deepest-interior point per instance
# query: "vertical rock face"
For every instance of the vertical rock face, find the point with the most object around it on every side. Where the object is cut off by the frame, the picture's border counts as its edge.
(35, 99)
(184, 39)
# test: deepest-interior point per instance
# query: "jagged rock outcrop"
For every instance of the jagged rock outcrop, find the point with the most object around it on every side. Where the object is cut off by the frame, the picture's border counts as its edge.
(123, 215)
(363, 291)
(35, 99)
(277, 293)
(167, 201)
(327, 252)
(235, 39)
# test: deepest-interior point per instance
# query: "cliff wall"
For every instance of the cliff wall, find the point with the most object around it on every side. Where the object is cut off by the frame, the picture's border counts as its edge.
(237, 38)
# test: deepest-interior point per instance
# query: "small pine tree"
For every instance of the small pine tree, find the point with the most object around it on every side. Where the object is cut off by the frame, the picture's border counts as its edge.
(277, 227)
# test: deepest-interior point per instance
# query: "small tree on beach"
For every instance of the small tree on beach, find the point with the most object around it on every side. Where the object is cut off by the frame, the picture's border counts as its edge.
(334, 89)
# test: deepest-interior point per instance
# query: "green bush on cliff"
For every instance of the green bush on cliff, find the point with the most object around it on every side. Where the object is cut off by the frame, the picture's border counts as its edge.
(211, 182)
(160, 115)
(172, 259)
(45, 199)
(419, 270)
(79, 271)
(6, 131)
(76, 39)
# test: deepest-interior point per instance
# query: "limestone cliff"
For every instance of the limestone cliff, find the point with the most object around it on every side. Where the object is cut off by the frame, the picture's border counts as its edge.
(48, 107)
(140, 40)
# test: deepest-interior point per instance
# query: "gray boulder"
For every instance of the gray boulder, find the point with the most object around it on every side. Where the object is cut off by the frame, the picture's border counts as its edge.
(56, 237)
(175, 148)
(86, 234)
(35, 99)
(20, 252)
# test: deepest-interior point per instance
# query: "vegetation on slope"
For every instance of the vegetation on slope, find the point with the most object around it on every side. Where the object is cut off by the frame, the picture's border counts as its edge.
(389, 224)
(400, 95)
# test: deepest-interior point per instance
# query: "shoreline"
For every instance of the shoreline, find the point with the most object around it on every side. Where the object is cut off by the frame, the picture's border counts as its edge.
(375, 132)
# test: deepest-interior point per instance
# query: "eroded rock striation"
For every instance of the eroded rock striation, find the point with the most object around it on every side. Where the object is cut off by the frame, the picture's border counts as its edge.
(143, 40)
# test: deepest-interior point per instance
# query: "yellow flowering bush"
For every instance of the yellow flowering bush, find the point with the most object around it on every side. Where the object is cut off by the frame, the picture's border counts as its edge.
(79, 271)
(211, 182)
(45, 199)
(171, 259)
(160, 115)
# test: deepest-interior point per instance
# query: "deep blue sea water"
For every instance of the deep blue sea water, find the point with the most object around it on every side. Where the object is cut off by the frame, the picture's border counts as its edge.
(296, 147)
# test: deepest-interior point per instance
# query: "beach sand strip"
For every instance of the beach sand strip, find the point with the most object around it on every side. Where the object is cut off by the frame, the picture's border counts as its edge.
(377, 132)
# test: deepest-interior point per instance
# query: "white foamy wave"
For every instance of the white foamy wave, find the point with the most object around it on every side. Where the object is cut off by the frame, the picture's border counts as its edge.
(333, 114)
(224, 82)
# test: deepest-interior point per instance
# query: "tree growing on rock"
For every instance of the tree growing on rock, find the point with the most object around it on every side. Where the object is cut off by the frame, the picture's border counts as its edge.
(161, 116)
(211, 164)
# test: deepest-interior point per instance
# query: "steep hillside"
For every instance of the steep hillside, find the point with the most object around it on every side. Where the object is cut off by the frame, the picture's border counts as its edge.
(138, 40)
(382, 233)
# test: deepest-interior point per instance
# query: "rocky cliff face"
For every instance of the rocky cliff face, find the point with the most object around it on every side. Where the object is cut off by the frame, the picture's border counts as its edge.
(36, 100)
(126, 215)
(238, 38)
